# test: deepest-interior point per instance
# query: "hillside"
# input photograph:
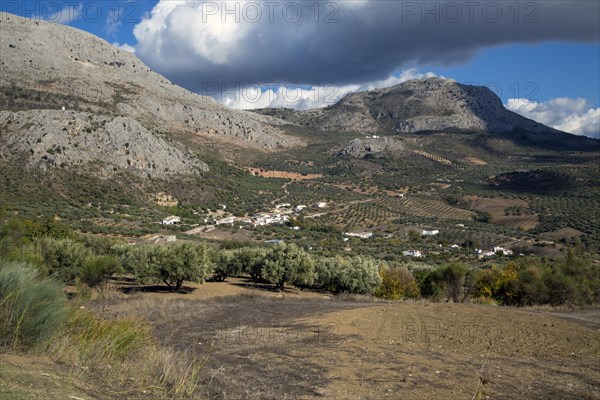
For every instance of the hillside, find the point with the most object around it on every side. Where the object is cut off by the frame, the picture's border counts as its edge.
(51, 66)
(431, 104)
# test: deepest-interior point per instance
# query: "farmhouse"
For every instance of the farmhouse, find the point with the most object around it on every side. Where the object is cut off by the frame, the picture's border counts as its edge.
(363, 235)
(320, 204)
(429, 232)
(274, 242)
(299, 208)
(171, 220)
(225, 221)
(491, 253)
(413, 253)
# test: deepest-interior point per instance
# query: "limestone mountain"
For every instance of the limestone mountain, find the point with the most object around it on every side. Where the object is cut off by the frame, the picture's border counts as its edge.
(52, 67)
(431, 104)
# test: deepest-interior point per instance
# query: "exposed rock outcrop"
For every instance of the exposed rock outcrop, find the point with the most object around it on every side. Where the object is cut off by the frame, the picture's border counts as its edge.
(431, 104)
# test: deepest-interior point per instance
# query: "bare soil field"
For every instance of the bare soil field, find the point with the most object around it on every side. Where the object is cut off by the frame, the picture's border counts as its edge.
(563, 233)
(497, 206)
(256, 343)
(283, 174)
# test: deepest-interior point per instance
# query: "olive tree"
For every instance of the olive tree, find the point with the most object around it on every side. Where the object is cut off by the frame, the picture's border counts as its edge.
(186, 262)
(289, 264)
(360, 275)
(250, 260)
(172, 265)
(226, 264)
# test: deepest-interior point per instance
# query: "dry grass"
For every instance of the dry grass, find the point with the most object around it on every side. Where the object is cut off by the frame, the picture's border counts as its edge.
(122, 354)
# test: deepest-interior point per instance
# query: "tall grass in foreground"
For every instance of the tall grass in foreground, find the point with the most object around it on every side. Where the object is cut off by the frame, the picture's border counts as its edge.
(36, 317)
(31, 309)
(121, 351)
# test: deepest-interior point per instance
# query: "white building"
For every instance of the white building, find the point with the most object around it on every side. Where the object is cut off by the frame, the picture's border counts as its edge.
(274, 242)
(321, 204)
(429, 232)
(299, 208)
(503, 251)
(225, 221)
(283, 205)
(171, 220)
(363, 235)
(413, 253)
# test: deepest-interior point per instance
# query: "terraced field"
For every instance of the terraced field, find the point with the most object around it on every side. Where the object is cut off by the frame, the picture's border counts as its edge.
(383, 210)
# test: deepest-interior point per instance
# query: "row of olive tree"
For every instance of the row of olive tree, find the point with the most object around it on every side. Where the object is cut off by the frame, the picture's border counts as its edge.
(285, 264)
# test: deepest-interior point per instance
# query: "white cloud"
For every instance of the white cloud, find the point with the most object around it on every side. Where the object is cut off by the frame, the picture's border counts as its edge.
(303, 98)
(569, 115)
(65, 16)
(194, 31)
(314, 42)
(125, 47)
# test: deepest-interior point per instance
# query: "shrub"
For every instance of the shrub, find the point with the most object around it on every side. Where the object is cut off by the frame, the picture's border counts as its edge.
(451, 279)
(176, 264)
(251, 260)
(560, 289)
(31, 309)
(397, 283)
(97, 271)
(101, 245)
(64, 258)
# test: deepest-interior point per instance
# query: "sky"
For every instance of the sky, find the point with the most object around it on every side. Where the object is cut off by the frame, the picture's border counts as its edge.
(542, 58)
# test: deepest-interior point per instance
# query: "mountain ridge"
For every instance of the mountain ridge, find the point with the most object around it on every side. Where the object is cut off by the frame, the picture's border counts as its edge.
(50, 66)
(419, 105)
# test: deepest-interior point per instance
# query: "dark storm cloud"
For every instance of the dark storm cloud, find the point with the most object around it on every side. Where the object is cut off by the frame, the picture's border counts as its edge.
(342, 42)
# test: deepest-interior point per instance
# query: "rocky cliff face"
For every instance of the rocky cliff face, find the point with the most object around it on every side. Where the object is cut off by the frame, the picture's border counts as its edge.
(100, 145)
(432, 104)
(360, 148)
(47, 66)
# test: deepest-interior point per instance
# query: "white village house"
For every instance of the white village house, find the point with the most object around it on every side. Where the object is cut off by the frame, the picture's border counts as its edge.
(429, 232)
(413, 253)
(171, 220)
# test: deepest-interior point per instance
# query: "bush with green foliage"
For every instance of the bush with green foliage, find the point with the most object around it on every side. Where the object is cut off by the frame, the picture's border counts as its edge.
(528, 281)
(65, 258)
(288, 263)
(31, 308)
(451, 279)
(98, 270)
(361, 275)
(327, 272)
(101, 245)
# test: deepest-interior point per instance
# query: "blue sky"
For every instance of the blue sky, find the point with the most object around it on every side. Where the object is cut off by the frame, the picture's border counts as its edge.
(554, 69)
(557, 56)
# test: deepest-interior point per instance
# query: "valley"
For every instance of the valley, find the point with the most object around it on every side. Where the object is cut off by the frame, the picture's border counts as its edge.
(418, 241)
